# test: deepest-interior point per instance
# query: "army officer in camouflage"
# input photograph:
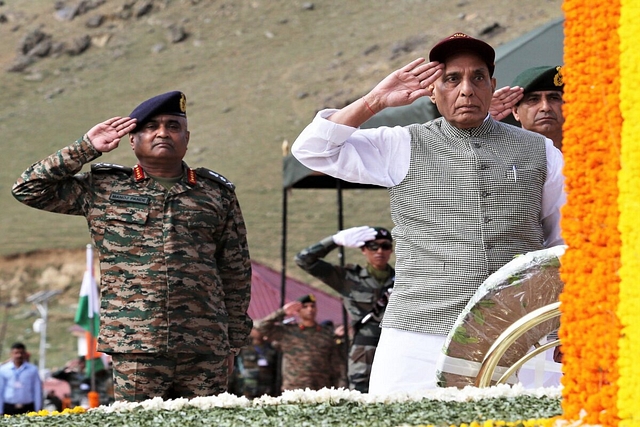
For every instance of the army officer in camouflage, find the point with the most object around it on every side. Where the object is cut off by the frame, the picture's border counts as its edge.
(175, 268)
(364, 290)
(310, 356)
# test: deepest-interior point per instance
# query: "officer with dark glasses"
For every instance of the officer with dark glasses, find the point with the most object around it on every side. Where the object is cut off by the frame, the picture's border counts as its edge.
(365, 290)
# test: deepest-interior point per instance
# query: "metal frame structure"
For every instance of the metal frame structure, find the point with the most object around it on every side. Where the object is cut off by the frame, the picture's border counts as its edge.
(41, 301)
(511, 335)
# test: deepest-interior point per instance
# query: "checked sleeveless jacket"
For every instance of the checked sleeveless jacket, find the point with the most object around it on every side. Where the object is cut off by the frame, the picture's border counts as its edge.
(459, 220)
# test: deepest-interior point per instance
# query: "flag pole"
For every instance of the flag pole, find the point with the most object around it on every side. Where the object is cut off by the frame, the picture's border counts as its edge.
(88, 318)
(91, 350)
(93, 396)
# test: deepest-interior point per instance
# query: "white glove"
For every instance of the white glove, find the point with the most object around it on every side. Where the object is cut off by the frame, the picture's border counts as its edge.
(354, 237)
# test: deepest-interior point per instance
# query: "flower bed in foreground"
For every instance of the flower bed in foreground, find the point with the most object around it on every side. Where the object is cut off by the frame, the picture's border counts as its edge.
(499, 406)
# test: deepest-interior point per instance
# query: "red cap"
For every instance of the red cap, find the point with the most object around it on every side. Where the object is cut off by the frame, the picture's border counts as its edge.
(460, 42)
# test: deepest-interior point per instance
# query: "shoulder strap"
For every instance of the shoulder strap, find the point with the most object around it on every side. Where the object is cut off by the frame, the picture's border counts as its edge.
(215, 176)
(110, 167)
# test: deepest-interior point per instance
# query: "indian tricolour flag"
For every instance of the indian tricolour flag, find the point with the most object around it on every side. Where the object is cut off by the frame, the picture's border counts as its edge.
(88, 316)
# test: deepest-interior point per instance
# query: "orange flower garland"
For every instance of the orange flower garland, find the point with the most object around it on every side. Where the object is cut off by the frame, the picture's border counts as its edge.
(629, 202)
(591, 146)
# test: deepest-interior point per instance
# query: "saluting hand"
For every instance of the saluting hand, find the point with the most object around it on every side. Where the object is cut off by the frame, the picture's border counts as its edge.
(354, 237)
(502, 101)
(292, 308)
(106, 136)
(406, 84)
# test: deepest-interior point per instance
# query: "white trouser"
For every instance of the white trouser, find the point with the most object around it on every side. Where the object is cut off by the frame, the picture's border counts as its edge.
(405, 361)
(542, 371)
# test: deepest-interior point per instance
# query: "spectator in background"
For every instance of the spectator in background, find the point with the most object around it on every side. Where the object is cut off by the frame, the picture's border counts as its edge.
(310, 356)
(364, 290)
(255, 369)
(20, 384)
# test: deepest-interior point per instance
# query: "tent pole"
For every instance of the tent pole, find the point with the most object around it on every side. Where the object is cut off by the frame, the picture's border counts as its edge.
(283, 249)
(340, 218)
(283, 281)
(345, 316)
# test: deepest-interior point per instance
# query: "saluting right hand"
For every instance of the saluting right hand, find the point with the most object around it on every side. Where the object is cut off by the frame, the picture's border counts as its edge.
(292, 308)
(354, 237)
(106, 136)
(405, 85)
(503, 100)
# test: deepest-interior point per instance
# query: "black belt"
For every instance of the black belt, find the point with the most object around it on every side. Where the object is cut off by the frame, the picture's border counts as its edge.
(362, 340)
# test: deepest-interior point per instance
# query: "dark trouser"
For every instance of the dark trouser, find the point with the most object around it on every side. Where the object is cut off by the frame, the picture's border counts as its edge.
(140, 376)
(11, 409)
(360, 362)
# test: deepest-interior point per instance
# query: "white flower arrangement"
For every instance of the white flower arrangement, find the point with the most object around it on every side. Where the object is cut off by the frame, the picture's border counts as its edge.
(332, 395)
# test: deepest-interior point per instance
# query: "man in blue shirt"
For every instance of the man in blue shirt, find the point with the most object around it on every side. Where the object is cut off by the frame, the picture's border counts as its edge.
(20, 384)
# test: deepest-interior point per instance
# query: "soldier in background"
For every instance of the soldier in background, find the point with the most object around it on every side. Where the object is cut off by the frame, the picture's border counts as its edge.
(255, 369)
(535, 98)
(73, 373)
(175, 268)
(364, 290)
(310, 356)
(341, 340)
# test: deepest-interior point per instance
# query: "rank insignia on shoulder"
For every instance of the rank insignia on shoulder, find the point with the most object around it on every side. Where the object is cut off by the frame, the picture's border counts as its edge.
(138, 173)
(109, 167)
(191, 177)
(215, 176)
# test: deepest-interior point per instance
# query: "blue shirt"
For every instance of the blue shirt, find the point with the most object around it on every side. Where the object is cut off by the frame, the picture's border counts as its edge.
(20, 385)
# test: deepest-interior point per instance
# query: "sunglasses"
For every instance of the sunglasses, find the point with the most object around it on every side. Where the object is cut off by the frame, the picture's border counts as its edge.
(373, 246)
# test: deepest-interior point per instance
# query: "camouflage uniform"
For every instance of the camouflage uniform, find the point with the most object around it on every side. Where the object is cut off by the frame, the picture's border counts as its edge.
(175, 268)
(255, 371)
(310, 356)
(364, 298)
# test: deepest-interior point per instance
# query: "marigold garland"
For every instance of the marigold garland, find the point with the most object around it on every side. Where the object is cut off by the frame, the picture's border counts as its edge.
(591, 146)
(45, 413)
(629, 202)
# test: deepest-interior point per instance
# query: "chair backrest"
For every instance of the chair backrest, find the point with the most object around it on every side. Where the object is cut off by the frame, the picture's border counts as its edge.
(524, 284)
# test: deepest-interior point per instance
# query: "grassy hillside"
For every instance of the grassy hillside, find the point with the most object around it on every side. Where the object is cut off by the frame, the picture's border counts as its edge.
(254, 73)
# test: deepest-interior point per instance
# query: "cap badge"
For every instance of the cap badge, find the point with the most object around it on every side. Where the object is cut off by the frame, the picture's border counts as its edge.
(183, 103)
(557, 79)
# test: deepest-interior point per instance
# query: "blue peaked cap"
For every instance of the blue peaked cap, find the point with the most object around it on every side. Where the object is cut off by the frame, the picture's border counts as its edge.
(173, 103)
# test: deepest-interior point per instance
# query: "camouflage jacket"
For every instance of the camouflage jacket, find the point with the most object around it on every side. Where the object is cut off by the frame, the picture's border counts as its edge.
(255, 371)
(362, 294)
(175, 268)
(310, 356)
